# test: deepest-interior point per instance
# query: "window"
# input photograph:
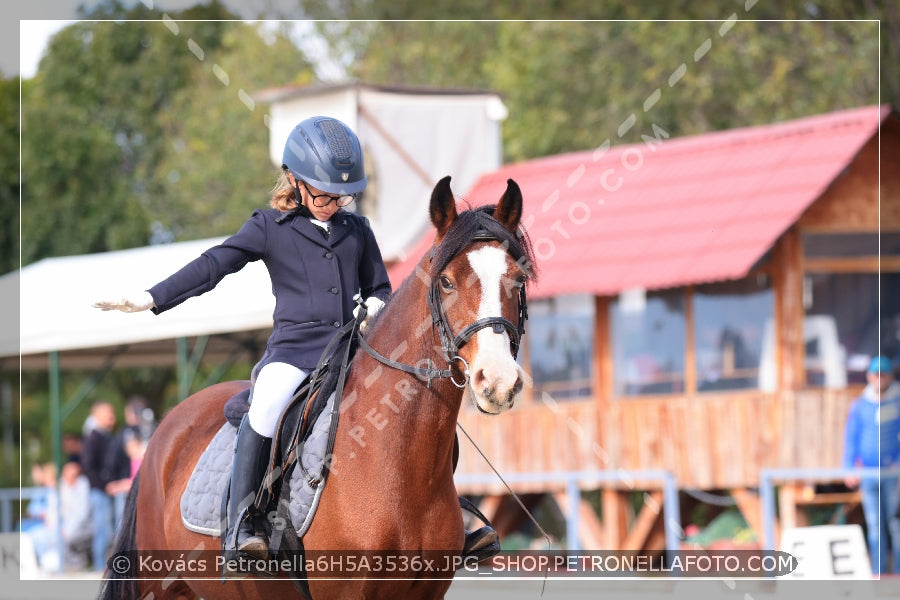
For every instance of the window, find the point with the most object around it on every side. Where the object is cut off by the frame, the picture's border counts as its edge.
(842, 329)
(560, 334)
(730, 322)
(842, 326)
(648, 334)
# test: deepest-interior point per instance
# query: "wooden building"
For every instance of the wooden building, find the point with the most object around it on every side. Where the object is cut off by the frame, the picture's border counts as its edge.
(705, 306)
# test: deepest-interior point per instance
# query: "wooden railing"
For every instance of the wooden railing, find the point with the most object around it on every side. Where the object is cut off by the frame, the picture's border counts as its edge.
(709, 441)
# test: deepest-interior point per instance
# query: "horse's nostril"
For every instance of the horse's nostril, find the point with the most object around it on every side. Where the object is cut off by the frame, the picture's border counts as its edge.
(479, 380)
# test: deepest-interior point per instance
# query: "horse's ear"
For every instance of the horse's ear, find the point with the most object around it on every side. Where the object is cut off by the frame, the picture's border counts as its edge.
(443, 207)
(509, 209)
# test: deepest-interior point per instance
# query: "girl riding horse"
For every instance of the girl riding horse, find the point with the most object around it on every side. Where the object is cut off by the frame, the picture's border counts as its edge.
(319, 257)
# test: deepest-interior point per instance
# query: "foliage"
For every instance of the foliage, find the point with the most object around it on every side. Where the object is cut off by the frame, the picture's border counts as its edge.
(571, 85)
(9, 174)
(728, 525)
(218, 168)
(145, 130)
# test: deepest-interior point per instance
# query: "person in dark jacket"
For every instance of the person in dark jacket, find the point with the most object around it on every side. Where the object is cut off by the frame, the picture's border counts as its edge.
(98, 445)
(319, 256)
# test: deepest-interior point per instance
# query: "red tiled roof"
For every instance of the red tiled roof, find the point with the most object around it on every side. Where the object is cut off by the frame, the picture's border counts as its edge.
(674, 212)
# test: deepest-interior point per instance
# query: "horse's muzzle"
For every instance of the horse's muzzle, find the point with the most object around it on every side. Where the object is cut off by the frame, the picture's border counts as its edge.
(494, 395)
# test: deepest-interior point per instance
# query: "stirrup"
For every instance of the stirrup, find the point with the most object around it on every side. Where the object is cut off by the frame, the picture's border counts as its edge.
(237, 565)
(245, 558)
(481, 544)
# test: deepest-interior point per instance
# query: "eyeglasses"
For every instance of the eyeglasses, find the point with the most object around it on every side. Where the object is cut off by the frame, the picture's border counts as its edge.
(323, 200)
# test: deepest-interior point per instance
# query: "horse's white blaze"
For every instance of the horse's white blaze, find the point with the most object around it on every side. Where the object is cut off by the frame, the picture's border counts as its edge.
(489, 264)
(499, 367)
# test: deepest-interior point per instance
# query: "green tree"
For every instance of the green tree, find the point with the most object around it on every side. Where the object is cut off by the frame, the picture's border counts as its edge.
(117, 104)
(217, 168)
(9, 174)
(570, 85)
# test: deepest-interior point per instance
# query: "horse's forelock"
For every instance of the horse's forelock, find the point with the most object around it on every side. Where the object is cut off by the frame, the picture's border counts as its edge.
(463, 231)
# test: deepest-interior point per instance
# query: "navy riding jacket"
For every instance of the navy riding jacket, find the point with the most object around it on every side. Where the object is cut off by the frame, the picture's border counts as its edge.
(313, 278)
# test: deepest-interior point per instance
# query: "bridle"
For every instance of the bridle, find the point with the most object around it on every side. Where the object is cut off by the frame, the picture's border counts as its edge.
(451, 344)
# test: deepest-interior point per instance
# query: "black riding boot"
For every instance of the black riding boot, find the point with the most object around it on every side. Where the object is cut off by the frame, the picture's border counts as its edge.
(251, 455)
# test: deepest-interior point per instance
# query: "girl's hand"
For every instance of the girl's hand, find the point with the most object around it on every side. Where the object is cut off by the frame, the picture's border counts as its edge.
(373, 306)
(131, 303)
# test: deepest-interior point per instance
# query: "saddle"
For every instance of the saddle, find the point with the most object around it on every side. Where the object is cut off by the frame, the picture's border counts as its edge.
(302, 439)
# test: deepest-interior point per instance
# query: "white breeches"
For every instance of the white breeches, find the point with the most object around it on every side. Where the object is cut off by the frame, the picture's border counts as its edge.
(274, 387)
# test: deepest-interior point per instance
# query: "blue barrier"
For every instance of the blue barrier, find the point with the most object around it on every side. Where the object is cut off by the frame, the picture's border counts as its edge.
(10, 495)
(768, 478)
(570, 479)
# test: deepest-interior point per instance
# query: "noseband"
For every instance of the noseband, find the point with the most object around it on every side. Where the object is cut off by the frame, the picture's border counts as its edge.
(450, 344)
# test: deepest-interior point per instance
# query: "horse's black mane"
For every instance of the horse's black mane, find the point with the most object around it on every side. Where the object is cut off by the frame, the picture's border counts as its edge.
(478, 222)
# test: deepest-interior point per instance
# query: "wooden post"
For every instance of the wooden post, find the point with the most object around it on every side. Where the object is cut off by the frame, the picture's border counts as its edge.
(751, 508)
(602, 377)
(690, 354)
(787, 507)
(789, 312)
(615, 517)
(644, 524)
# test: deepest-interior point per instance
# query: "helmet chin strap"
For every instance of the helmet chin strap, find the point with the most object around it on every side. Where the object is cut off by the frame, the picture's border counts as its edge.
(298, 199)
(296, 188)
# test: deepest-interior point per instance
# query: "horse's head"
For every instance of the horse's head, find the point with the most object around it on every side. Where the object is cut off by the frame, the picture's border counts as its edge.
(479, 266)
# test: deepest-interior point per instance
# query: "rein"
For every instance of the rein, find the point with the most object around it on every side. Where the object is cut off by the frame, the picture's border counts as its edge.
(424, 373)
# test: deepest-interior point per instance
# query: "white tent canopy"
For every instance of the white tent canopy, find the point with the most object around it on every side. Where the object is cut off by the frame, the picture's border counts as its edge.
(56, 296)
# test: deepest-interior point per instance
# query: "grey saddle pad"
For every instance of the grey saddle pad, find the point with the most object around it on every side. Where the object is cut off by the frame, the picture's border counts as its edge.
(201, 503)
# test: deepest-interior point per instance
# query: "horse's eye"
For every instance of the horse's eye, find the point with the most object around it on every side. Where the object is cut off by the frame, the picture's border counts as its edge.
(446, 284)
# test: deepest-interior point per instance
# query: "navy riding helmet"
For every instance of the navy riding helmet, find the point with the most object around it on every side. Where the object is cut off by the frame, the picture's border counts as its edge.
(327, 155)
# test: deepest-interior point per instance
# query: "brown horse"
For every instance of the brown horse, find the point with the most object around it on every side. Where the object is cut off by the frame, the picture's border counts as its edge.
(390, 486)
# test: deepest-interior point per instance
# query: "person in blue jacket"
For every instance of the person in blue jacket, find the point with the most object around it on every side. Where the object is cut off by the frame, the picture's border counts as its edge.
(872, 439)
(319, 257)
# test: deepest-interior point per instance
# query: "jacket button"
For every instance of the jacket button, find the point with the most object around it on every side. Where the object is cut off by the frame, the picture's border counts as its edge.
(329, 255)
(334, 290)
(337, 324)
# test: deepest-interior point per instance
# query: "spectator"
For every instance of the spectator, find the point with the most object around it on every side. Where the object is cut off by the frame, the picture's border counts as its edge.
(872, 439)
(98, 446)
(41, 524)
(130, 443)
(135, 450)
(71, 447)
(75, 507)
(36, 511)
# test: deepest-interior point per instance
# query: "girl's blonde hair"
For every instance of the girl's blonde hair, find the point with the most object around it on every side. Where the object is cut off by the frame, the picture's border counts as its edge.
(283, 194)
